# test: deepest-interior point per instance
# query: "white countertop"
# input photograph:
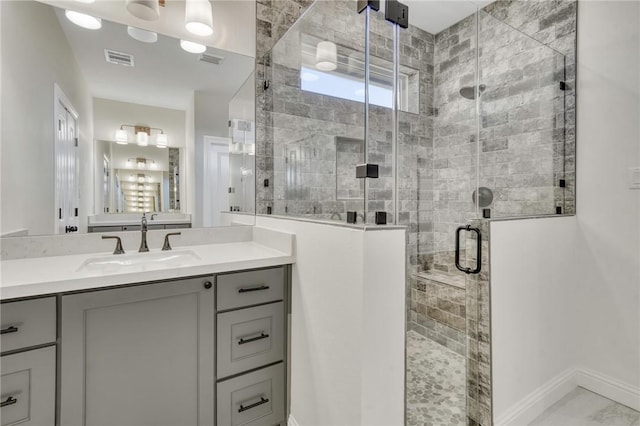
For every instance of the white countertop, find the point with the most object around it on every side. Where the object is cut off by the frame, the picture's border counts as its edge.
(58, 274)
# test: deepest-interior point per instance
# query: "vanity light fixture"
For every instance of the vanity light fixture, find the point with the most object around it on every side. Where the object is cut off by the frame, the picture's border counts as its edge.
(148, 10)
(83, 20)
(198, 18)
(326, 56)
(141, 35)
(192, 47)
(142, 133)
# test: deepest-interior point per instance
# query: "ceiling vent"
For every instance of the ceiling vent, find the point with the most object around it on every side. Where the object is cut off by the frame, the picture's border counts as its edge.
(118, 58)
(212, 59)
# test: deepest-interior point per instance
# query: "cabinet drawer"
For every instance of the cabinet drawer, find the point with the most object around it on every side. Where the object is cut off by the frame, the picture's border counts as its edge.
(28, 323)
(250, 288)
(29, 387)
(253, 399)
(250, 338)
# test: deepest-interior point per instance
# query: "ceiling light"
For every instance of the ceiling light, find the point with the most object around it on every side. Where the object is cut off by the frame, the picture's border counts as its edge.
(192, 47)
(83, 20)
(121, 136)
(161, 140)
(85, 1)
(198, 18)
(143, 36)
(149, 10)
(326, 56)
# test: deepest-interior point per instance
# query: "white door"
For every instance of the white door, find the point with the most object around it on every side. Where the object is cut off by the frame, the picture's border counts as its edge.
(66, 166)
(216, 180)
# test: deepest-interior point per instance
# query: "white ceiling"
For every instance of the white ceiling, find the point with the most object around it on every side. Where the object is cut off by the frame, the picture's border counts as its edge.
(233, 21)
(164, 75)
(434, 16)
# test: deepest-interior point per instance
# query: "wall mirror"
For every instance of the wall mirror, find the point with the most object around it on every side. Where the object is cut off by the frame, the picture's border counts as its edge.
(110, 111)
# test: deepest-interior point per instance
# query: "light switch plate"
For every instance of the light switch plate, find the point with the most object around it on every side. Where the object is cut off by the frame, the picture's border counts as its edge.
(634, 178)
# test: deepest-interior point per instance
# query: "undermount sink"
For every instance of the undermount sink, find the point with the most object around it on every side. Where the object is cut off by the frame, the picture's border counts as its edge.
(139, 261)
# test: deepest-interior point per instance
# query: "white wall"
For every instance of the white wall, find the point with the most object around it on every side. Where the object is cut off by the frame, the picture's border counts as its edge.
(566, 291)
(347, 342)
(30, 68)
(608, 211)
(110, 115)
(534, 295)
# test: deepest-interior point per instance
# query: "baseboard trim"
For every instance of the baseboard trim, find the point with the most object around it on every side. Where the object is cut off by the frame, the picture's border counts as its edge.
(292, 421)
(609, 387)
(534, 404)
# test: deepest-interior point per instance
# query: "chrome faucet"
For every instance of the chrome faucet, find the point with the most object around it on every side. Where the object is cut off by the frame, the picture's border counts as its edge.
(143, 230)
(154, 215)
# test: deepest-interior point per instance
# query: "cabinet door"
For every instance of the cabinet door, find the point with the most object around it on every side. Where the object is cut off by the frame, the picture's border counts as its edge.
(138, 355)
(28, 385)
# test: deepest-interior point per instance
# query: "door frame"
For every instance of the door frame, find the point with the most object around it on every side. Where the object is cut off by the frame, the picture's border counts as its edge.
(61, 100)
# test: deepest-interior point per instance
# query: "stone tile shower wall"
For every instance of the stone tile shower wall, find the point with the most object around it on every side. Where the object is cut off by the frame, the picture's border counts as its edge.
(552, 23)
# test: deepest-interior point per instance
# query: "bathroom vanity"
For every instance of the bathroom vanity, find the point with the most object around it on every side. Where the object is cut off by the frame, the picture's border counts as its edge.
(111, 347)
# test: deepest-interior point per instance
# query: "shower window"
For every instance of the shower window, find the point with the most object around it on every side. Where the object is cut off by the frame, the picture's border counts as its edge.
(347, 80)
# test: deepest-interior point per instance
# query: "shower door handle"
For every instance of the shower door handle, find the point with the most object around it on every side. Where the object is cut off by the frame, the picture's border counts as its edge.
(466, 270)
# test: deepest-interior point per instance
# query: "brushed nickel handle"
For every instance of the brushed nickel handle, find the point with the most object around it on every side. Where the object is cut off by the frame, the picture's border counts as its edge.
(166, 246)
(119, 249)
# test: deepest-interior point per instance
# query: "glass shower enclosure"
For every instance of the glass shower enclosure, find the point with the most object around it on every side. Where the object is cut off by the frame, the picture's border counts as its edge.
(451, 127)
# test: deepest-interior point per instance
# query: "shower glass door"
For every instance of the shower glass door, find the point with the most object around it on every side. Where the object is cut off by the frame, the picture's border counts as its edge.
(442, 384)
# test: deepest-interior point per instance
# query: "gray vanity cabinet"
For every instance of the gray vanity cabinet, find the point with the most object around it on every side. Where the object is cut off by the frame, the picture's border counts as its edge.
(251, 347)
(140, 355)
(28, 363)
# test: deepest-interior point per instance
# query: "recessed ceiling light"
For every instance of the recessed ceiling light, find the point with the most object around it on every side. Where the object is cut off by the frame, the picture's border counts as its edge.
(192, 47)
(83, 20)
(141, 35)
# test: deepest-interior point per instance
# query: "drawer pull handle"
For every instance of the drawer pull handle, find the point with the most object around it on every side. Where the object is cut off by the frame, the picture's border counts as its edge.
(254, 405)
(253, 339)
(10, 401)
(8, 330)
(248, 289)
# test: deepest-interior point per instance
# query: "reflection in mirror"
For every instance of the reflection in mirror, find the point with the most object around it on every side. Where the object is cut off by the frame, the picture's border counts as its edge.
(100, 125)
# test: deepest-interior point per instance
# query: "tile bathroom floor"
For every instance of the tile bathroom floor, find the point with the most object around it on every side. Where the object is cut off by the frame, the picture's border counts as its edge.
(435, 384)
(581, 407)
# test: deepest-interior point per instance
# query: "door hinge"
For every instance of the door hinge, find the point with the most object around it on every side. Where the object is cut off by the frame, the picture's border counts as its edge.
(76, 211)
(75, 140)
(59, 213)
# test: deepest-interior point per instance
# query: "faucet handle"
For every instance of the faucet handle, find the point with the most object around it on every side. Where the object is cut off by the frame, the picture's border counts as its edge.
(119, 249)
(166, 246)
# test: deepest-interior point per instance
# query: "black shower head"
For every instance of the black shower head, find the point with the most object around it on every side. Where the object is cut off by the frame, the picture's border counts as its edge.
(469, 92)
